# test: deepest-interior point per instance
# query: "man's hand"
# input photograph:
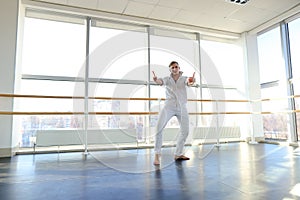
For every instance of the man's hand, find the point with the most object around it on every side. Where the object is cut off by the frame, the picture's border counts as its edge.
(156, 80)
(154, 76)
(191, 80)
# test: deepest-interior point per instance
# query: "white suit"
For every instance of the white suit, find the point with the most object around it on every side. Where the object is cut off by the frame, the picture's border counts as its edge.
(175, 105)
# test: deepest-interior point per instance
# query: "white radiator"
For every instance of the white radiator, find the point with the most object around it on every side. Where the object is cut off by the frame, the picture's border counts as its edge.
(215, 133)
(77, 137)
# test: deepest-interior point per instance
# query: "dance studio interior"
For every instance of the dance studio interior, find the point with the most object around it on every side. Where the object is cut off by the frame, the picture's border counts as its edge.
(69, 133)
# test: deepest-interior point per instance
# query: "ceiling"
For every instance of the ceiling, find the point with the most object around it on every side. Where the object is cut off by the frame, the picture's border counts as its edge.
(209, 14)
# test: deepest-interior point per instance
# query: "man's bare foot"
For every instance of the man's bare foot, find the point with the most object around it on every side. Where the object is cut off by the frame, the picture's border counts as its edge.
(156, 159)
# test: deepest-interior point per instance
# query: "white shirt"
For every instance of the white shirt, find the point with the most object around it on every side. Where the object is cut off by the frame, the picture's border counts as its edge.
(176, 93)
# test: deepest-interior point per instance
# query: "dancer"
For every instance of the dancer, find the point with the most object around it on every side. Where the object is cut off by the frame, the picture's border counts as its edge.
(175, 105)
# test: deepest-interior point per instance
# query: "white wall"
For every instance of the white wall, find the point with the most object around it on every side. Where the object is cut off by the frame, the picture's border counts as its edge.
(8, 40)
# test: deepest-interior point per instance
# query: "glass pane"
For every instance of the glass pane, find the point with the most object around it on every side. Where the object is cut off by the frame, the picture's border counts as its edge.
(232, 108)
(50, 88)
(166, 49)
(53, 48)
(116, 121)
(297, 104)
(116, 54)
(117, 90)
(115, 106)
(220, 61)
(294, 32)
(270, 56)
(30, 124)
(276, 123)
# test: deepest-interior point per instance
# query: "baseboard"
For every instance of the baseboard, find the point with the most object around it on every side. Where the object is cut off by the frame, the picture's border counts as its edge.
(8, 152)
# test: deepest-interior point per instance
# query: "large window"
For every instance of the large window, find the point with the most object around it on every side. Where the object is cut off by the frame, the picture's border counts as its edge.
(53, 54)
(223, 79)
(107, 88)
(118, 69)
(167, 46)
(273, 79)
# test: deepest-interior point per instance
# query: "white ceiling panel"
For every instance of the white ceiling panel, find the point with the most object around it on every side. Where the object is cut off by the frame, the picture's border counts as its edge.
(249, 14)
(198, 6)
(210, 14)
(84, 4)
(185, 16)
(117, 6)
(235, 25)
(138, 9)
(164, 13)
(222, 9)
(274, 5)
(172, 3)
(153, 2)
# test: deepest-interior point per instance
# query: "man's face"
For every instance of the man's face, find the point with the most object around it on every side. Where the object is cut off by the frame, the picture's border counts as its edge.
(174, 69)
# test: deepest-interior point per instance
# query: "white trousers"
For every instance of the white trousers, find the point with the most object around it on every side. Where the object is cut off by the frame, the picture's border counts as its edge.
(165, 115)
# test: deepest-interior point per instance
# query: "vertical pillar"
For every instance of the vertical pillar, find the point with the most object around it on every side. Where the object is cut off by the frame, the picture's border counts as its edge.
(253, 85)
(8, 40)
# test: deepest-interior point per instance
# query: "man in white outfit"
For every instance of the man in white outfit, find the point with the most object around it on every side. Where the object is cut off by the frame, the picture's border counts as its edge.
(175, 105)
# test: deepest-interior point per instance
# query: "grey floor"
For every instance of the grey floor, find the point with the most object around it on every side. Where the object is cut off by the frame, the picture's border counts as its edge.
(232, 171)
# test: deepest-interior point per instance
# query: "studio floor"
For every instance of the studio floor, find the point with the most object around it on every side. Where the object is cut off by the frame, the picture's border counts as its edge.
(233, 171)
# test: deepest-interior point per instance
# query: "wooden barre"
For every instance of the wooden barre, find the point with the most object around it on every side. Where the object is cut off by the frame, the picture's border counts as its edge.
(124, 98)
(110, 98)
(279, 98)
(40, 113)
(39, 96)
(110, 113)
(222, 113)
(209, 100)
(139, 113)
(77, 113)
(123, 113)
(73, 97)
(149, 99)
